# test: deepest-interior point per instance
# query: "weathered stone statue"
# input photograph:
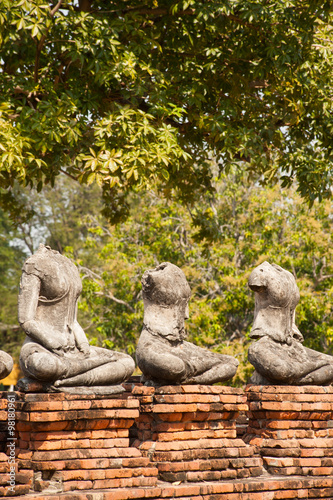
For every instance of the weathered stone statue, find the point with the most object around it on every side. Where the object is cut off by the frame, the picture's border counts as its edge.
(162, 353)
(278, 355)
(6, 364)
(56, 349)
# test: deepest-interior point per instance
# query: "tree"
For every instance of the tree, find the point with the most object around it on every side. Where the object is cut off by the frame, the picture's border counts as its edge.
(11, 258)
(217, 244)
(128, 95)
(236, 230)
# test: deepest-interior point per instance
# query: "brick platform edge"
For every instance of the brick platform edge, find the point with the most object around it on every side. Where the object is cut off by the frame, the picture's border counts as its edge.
(73, 442)
(292, 428)
(171, 442)
(189, 432)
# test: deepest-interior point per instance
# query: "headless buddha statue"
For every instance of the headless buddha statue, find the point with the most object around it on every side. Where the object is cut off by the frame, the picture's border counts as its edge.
(278, 355)
(56, 349)
(163, 355)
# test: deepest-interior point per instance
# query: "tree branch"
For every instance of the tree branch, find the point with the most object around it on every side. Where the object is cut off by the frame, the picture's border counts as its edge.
(4, 327)
(94, 276)
(68, 175)
(41, 42)
(110, 295)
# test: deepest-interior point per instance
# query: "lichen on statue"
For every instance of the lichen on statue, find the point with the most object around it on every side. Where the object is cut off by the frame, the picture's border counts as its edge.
(163, 355)
(56, 349)
(278, 355)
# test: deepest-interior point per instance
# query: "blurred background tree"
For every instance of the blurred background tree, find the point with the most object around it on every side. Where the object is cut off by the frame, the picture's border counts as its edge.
(217, 244)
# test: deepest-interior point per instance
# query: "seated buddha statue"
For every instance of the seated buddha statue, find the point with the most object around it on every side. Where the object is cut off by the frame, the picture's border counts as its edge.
(163, 354)
(278, 354)
(56, 349)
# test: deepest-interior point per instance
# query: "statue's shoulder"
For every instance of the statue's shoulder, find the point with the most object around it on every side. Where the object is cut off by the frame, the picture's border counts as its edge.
(35, 265)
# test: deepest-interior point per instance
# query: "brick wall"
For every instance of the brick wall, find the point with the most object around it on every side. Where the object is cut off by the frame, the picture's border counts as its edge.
(172, 442)
(292, 428)
(67, 442)
(190, 433)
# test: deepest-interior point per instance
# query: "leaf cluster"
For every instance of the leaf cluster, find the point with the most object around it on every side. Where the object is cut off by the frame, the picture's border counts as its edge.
(128, 95)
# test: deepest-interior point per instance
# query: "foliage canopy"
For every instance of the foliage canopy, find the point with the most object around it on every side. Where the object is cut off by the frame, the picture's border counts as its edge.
(127, 94)
(216, 244)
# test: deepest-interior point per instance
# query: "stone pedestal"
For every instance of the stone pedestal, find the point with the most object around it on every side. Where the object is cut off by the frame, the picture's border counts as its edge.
(74, 442)
(189, 432)
(292, 428)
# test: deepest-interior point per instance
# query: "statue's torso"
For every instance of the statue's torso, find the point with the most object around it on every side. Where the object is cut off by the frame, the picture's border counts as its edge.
(59, 291)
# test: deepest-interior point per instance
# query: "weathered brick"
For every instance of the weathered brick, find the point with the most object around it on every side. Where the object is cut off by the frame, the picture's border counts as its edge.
(320, 493)
(43, 426)
(41, 406)
(78, 485)
(195, 476)
(322, 471)
(197, 434)
(177, 408)
(187, 398)
(83, 474)
(143, 390)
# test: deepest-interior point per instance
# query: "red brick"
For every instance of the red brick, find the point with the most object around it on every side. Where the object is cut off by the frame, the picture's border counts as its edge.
(182, 426)
(100, 463)
(186, 490)
(327, 462)
(82, 475)
(321, 493)
(195, 476)
(316, 443)
(50, 416)
(320, 424)
(318, 406)
(276, 406)
(44, 426)
(228, 474)
(118, 424)
(282, 415)
(279, 462)
(77, 405)
(323, 415)
(322, 471)
(308, 462)
(24, 454)
(85, 453)
(187, 398)
(171, 417)
(177, 408)
(115, 403)
(20, 489)
(79, 485)
(31, 397)
(198, 434)
(43, 406)
(143, 390)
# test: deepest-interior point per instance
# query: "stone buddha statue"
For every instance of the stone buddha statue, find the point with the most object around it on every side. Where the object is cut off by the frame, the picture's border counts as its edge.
(163, 355)
(278, 354)
(56, 350)
(6, 364)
